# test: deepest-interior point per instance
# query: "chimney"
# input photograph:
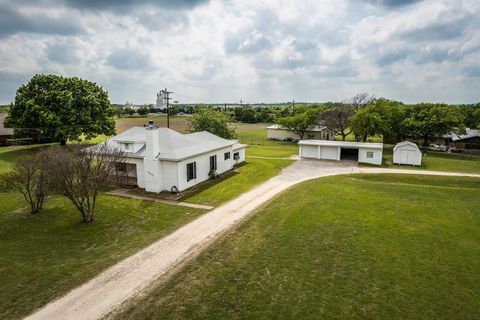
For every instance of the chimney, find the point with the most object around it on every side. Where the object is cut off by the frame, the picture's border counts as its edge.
(152, 147)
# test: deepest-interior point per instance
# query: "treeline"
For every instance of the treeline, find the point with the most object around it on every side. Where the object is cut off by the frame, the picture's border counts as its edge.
(365, 116)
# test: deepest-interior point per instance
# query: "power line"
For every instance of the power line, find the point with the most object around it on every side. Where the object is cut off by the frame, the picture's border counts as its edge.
(167, 98)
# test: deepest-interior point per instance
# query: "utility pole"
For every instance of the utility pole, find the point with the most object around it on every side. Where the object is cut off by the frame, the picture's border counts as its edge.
(225, 107)
(167, 97)
(241, 103)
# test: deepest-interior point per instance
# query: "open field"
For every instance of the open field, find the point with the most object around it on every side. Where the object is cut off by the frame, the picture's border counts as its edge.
(339, 248)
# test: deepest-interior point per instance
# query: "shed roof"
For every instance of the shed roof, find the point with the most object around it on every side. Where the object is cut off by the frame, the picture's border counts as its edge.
(344, 144)
(405, 143)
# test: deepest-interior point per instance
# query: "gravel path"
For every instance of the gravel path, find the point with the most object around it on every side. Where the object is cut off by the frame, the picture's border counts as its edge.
(105, 292)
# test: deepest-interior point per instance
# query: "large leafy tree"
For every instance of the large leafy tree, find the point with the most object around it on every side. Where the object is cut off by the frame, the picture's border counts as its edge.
(430, 121)
(337, 119)
(62, 108)
(213, 121)
(299, 123)
(381, 117)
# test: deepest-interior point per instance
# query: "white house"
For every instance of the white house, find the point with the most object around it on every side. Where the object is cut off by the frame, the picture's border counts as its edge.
(277, 132)
(407, 153)
(159, 159)
(342, 150)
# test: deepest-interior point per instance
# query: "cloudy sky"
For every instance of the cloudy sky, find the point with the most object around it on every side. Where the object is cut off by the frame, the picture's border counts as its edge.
(255, 50)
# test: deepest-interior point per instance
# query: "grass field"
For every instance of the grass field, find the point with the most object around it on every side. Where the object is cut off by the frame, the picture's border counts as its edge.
(45, 256)
(254, 172)
(371, 247)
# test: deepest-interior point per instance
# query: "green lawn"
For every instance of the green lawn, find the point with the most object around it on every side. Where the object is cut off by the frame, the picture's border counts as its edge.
(10, 154)
(47, 255)
(254, 172)
(440, 161)
(279, 151)
(368, 247)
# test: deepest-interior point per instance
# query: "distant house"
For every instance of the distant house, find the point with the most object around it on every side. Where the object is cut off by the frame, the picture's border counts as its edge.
(159, 159)
(468, 141)
(277, 132)
(364, 152)
(5, 133)
(407, 153)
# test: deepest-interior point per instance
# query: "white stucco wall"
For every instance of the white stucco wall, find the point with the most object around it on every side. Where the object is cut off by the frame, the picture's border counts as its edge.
(377, 156)
(203, 167)
(153, 175)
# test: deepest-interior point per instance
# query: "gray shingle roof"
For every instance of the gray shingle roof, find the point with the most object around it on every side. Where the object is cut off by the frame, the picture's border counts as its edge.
(172, 145)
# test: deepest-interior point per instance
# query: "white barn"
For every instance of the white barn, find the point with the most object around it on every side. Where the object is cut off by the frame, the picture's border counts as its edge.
(364, 152)
(159, 159)
(277, 132)
(407, 153)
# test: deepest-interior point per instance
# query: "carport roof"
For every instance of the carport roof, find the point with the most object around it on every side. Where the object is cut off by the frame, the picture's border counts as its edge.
(341, 144)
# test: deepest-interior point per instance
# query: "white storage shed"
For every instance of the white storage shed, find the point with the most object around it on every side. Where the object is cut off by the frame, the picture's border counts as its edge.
(407, 153)
(342, 150)
(277, 132)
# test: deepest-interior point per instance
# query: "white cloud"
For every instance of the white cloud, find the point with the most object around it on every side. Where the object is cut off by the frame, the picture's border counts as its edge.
(269, 50)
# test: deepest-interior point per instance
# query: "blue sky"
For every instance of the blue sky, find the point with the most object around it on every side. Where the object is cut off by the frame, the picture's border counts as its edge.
(257, 51)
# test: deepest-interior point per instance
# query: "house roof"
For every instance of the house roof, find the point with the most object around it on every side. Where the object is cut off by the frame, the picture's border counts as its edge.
(405, 143)
(4, 131)
(312, 129)
(345, 144)
(470, 133)
(172, 145)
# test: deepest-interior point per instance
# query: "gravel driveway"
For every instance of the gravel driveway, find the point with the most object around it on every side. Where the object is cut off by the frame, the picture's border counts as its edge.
(105, 292)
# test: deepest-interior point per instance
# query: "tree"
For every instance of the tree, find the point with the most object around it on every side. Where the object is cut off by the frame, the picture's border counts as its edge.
(143, 111)
(471, 115)
(299, 123)
(381, 117)
(79, 173)
(62, 108)
(213, 121)
(361, 100)
(430, 121)
(28, 178)
(337, 119)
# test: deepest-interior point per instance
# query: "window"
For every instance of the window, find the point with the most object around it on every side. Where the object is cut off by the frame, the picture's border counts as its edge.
(226, 155)
(213, 163)
(369, 154)
(191, 171)
(127, 146)
(121, 167)
(236, 156)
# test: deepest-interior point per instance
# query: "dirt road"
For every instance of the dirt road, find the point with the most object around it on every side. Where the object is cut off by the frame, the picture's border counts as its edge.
(105, 292)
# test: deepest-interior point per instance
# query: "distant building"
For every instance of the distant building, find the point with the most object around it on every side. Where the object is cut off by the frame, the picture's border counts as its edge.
(468, 141)
(277, 132)
(5, 133)
(161, 100)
